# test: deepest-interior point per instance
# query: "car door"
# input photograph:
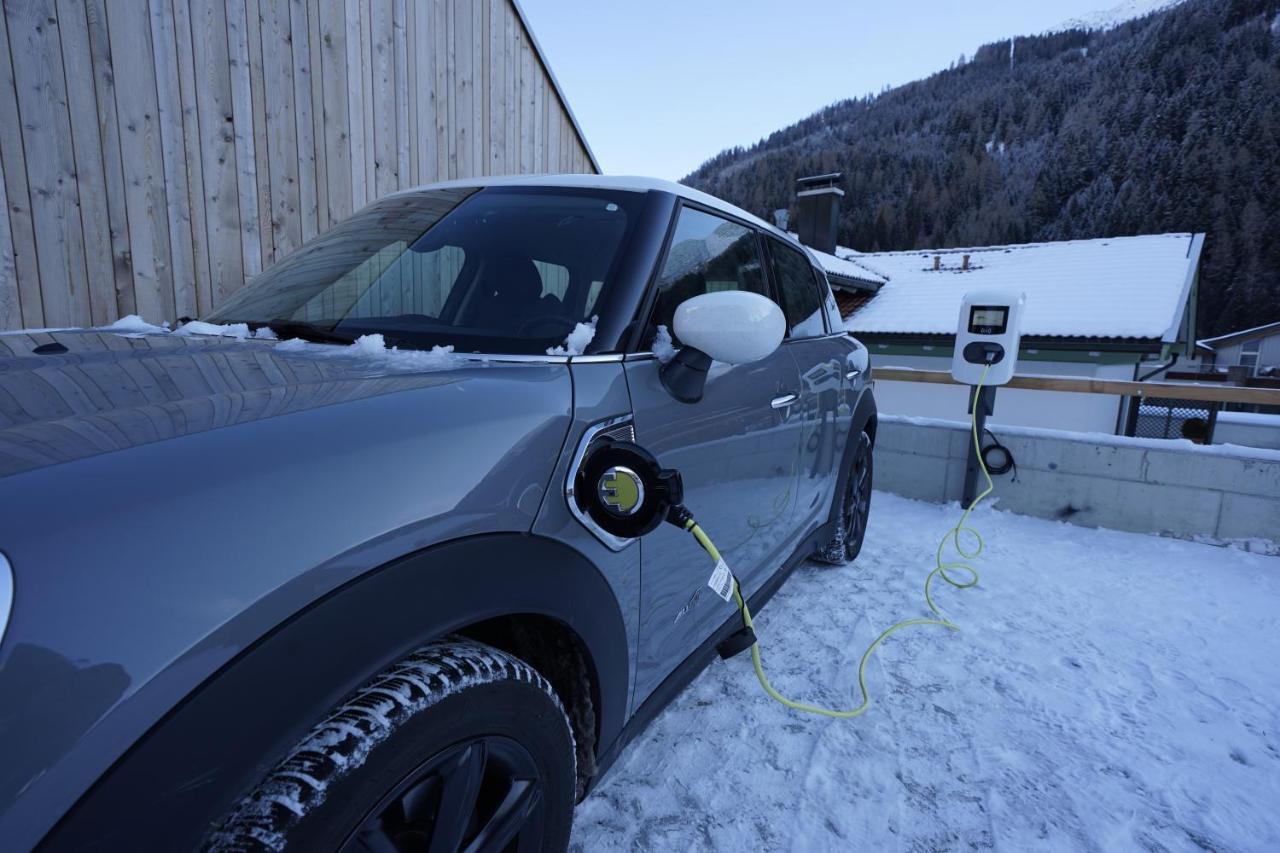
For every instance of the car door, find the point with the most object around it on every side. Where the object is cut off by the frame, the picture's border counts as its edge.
(823, 414)
(735, 448)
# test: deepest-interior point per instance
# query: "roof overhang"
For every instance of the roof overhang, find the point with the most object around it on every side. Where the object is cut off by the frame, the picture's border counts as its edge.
(1265, 330)
(839, 280)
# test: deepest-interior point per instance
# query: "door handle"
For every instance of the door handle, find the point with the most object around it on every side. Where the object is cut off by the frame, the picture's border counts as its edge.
(784, 401)
(853, 374)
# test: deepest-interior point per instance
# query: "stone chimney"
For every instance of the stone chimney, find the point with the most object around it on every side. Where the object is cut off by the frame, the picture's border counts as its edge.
(818, 201)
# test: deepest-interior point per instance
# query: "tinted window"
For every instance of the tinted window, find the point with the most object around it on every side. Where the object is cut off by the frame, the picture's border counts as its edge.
(495, 270)
(392, 281)
(708, 253)
(798, 290)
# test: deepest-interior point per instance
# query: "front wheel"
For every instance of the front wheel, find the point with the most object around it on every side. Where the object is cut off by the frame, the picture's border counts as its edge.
(853, 509)
(457, 747)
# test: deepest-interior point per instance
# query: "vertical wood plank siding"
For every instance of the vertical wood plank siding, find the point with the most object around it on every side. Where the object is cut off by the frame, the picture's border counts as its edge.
(156, 153)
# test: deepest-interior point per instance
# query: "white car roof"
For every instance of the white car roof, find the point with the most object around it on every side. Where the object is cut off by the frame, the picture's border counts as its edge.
(628, 183)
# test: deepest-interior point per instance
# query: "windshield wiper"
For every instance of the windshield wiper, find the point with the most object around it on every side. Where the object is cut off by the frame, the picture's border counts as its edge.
(306, 331)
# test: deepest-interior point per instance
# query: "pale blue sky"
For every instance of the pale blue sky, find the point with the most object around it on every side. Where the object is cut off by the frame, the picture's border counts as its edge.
(659, 86)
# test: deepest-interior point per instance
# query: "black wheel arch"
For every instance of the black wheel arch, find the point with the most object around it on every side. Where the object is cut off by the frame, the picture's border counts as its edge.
(213, 747)
(865, 419)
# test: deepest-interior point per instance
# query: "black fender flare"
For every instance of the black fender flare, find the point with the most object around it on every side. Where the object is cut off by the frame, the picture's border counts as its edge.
(864, 419)
(210, 750)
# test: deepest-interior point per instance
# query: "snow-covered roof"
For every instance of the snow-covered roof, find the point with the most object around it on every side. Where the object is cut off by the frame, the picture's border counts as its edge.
(1113, 287)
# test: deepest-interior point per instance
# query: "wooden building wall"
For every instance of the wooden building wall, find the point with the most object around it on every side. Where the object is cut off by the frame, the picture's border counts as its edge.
(156, 153)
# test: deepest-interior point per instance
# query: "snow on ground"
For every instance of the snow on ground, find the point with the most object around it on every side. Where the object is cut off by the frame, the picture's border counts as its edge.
(1108, 691)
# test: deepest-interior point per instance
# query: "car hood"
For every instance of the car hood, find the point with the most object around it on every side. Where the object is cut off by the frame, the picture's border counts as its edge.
(168, 500)
(66, 395)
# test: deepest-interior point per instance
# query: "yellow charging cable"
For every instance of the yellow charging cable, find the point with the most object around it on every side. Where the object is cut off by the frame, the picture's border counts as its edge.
(941, 570)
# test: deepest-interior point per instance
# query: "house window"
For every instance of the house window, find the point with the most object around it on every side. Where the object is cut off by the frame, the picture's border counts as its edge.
(1249, 353)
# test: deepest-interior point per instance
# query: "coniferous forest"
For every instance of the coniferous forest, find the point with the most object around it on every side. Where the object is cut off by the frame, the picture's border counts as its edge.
(1170, 122)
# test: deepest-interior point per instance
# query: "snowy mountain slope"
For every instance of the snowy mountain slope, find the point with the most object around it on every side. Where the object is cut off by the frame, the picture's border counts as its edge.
(1165, 123)
(1105, 19)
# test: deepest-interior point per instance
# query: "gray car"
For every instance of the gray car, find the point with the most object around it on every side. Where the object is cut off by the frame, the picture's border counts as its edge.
(322, 571)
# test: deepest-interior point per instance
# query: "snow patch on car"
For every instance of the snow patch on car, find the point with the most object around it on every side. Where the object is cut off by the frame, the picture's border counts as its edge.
(240, 331)
(663, 347)
(374, 346)
(132, 324)
(577, 341)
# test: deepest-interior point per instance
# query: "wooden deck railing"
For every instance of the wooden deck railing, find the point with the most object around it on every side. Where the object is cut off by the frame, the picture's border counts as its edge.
(1212, 393)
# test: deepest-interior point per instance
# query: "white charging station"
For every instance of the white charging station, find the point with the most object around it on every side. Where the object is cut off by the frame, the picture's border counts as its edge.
(988, 333)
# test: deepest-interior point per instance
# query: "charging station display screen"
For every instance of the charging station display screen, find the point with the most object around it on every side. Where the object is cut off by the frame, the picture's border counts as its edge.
(988, 319)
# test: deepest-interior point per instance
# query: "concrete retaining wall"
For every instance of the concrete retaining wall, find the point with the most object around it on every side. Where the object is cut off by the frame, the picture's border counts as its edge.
(1144, 485)
(1247, 429)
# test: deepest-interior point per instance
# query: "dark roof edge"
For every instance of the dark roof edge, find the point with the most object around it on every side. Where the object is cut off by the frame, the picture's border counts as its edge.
(1243, 334)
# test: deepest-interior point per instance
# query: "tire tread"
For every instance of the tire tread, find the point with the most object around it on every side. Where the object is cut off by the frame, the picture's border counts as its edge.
(341, 742)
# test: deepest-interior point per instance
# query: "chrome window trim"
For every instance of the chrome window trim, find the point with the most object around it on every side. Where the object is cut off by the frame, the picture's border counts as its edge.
(613, 543)
(516, 358)
(6, 594)
(603, 358)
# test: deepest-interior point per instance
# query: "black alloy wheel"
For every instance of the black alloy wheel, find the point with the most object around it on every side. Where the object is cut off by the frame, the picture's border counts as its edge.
(854, 508)
(457, 747)
(482, 794)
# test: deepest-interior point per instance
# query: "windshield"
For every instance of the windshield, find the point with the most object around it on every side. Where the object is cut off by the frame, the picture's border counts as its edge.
(502, 269)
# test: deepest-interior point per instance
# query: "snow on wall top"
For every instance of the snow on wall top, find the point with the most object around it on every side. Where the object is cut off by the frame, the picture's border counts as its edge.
(1113, 287)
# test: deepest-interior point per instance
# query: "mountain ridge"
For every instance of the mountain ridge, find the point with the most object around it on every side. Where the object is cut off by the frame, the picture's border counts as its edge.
(1166, 123)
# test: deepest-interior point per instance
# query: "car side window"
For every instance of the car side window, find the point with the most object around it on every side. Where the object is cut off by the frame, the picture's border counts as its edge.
(798, 290)
(708, 253)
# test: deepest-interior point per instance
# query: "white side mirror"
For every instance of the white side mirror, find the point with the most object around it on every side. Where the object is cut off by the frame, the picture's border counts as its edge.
(732, 326)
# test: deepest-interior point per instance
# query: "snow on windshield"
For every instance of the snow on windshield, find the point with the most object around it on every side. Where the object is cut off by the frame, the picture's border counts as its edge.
(577, 340)
(374, 346)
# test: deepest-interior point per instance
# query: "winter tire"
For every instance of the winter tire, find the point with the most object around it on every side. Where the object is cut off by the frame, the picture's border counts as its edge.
(458, 746)
(853, 509)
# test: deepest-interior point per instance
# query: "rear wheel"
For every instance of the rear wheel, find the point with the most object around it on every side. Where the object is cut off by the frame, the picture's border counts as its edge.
(457, 747)
(853, 508)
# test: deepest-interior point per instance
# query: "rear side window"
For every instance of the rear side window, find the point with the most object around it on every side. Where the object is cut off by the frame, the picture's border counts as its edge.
(798, 289)
(708, 253)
